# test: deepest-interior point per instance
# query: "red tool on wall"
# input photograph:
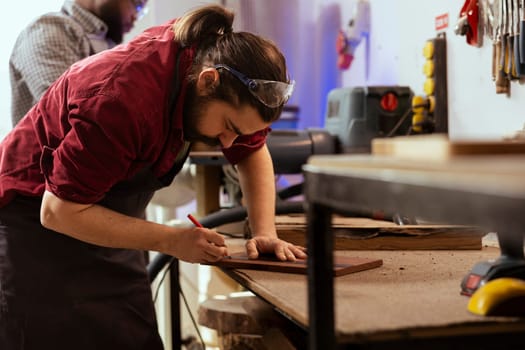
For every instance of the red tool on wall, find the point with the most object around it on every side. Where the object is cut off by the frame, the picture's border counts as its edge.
(344, 57)
(348, 40)
(469, 24)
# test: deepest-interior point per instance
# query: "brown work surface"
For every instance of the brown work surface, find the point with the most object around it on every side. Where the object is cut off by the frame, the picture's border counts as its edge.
(438, 146)
(365, 234)
(414, 294)
(343, 265)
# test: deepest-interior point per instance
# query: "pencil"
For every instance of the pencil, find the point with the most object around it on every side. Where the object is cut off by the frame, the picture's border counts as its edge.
(195, 221)
(198, 224)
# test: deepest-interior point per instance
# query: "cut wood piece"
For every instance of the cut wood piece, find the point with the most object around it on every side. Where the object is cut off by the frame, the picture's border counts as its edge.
(439, 147)
(247, 322)
(343, 265)
(454, 240)
(365, 234)
(229, 316)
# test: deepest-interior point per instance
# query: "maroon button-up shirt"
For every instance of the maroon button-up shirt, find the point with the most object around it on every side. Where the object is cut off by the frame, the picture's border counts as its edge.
(104, 120)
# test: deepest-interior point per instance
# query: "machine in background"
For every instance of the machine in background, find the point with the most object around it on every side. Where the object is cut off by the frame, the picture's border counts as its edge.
(357, 115)
(354, 116)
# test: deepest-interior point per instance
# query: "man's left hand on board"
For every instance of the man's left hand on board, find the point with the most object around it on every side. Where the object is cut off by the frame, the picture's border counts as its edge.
(271, 245)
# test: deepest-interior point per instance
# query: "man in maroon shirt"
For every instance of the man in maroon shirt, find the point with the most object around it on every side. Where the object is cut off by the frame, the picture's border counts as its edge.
(78, 171)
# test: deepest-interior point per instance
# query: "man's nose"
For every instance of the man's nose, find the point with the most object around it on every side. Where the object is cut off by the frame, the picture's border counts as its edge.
(227, 138)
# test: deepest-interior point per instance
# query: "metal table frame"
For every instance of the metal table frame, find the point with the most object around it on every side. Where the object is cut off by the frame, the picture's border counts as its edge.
(335, 190)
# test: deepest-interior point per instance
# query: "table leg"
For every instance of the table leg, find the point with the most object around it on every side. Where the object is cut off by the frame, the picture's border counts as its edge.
(320, 244)
(208, 183)
(176, 333)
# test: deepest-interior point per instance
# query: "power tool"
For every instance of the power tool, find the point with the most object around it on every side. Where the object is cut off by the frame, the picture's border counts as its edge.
(354, 116)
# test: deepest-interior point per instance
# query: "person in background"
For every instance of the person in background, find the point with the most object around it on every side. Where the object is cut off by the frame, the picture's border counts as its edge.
(54, 41)
(77, 172)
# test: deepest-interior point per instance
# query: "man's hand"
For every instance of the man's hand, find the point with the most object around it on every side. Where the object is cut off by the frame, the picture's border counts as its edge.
(282, 249)
(198, 245)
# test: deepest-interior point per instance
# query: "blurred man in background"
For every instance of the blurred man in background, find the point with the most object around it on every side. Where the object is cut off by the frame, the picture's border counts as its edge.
(54, 41)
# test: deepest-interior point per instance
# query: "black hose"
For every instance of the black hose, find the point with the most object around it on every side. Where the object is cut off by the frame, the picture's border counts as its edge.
(220, 218)
(291, 191)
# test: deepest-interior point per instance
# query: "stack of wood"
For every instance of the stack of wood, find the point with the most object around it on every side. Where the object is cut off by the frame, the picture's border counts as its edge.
(368, 234)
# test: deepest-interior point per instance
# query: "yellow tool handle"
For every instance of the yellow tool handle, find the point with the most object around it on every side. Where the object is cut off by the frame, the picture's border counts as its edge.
(513, 74)
(506, 54)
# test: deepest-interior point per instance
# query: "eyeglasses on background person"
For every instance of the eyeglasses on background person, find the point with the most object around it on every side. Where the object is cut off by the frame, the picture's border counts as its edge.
(140, 7)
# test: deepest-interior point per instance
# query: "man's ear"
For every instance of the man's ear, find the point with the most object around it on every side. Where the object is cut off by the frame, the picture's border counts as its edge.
(207, 81)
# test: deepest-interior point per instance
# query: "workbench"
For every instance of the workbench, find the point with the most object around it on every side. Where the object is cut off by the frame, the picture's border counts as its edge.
(486, 191)
(411, 302)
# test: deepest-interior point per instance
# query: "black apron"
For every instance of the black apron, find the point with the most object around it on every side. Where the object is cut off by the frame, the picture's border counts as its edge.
(57, 292)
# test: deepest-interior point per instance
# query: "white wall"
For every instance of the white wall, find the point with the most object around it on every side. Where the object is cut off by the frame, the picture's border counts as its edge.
(399, 32)
(12, 20)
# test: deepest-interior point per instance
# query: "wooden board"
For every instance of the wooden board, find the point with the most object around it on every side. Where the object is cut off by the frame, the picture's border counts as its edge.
(343, 265)
(439, 147)
(454, 239)
(366, 234)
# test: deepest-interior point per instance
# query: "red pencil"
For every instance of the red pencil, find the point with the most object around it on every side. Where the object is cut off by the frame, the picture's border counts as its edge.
(195, 221)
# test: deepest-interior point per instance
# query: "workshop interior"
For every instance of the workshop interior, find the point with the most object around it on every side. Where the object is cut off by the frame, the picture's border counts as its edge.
(373, 78)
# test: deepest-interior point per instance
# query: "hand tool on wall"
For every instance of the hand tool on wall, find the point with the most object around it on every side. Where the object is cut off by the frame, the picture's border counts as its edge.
(469, 24)
(505, 39)
(502, 83)
(519, 69)
(344, 57)
(515, 40)
(508, 41)
(493, 30)
(487, 18)
(348, 40)
(513, 69)
(521, 30)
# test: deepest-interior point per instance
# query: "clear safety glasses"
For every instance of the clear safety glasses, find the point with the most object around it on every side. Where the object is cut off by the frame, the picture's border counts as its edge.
(140, 7)
(270, 93)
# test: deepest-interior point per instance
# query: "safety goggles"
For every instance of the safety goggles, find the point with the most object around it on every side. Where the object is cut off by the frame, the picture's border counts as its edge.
(140, 7)
(270, 93)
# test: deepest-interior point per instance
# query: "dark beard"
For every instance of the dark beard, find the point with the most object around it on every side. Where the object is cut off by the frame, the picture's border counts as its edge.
(194, 106)
(115, 33)
(110, 14)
